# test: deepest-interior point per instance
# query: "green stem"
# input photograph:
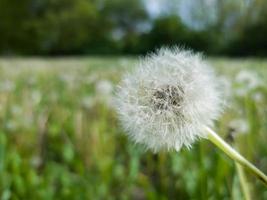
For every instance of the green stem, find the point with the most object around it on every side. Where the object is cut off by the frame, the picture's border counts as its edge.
(232, 153)
(243, 181)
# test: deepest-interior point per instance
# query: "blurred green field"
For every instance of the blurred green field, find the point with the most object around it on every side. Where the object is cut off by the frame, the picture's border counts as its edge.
(60, 139)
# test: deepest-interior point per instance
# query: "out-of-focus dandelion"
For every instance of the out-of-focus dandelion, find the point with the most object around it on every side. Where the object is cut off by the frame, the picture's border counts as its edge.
(258, 96)
(11, 125)
(36, 97)
(88, 102)
(171, 100)
(32, 81)
(239, 126)
(69, 79)
(7, 86)
(90, 79)
(226, 86)
(124, 62)
(241, 91)
(104, 87)
(248, 79)
(16, 110)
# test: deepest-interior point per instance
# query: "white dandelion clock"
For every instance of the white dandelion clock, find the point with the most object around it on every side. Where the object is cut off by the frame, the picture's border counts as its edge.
(166, 101)
(170, 100)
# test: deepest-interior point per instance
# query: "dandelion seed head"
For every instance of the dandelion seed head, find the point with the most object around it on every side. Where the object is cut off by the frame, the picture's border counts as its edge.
(240, 126)
(165, 102)
(104, 87)
(249, 79)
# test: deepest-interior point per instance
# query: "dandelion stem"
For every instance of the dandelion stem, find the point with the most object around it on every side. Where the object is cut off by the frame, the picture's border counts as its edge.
(243, 181)
(232, 153)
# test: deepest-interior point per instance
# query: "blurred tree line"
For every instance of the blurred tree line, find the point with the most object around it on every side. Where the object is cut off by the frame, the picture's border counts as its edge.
(62, 27)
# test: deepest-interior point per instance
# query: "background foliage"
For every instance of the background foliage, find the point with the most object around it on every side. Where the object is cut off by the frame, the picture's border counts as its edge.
(60, 139)
(62, 27)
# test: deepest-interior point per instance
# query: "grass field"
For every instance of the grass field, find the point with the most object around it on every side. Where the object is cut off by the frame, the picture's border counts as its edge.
(60, 139)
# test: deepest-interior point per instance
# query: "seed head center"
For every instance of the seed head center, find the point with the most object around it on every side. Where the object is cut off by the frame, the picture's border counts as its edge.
(167, 97)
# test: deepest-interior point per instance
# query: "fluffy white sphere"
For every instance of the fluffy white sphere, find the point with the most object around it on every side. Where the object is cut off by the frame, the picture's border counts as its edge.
(165, 102)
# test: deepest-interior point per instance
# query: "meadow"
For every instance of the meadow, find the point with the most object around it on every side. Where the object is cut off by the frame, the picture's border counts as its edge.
(60, 137)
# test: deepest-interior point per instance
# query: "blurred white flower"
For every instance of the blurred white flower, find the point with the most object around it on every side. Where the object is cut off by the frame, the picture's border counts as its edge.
(248, 79)
(241, 91)
(226, 86)
(124, 62)
(88, 102)
(36, 161)
(68, 79)
(104, 87)
(32, 80)
(258, 96)
(36, 97)
(240, 126)
(16, 110)
(1, 107)
(7, 86)
(91, 78)
(11, 125)
(167, 100)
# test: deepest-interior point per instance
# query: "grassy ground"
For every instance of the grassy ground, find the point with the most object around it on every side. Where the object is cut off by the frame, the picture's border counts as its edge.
(59, 136)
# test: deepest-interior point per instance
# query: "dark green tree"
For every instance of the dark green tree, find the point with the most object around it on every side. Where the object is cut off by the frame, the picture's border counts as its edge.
(127, 18)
